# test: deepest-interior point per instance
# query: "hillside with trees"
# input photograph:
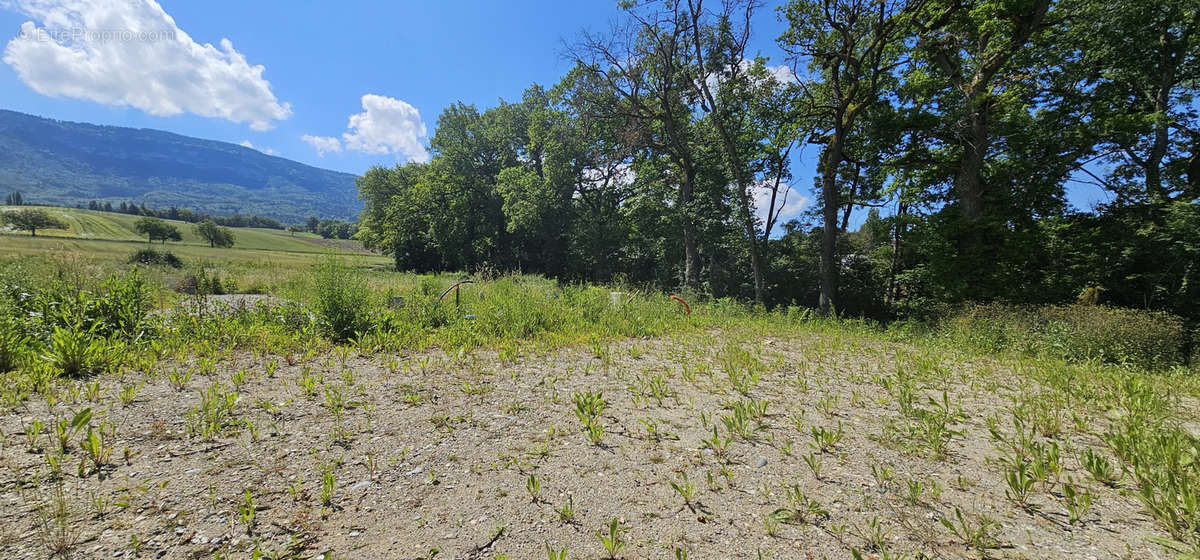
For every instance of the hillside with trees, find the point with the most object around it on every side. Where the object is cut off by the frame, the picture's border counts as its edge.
(68, 164)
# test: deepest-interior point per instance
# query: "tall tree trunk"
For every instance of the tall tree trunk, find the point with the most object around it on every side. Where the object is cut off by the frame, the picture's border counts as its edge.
(1153, 165)
(743, 186)
(850, 198)
(971, 259)
(755, 262)
(897, 233)
(691, 251)
(831, 156)
(969, 181)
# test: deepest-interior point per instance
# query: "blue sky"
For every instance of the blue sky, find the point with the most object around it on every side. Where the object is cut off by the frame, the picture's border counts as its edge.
(321, 58)
(388, 67)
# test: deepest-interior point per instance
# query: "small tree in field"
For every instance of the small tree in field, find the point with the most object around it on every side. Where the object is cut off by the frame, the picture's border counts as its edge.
(155, 228)
(32, 220)
(216, 235)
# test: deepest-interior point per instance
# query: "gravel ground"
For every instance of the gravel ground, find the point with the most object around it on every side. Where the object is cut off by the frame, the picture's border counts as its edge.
(399, 456)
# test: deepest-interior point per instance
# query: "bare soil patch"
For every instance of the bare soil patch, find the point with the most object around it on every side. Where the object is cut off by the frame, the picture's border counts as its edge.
(395, 456)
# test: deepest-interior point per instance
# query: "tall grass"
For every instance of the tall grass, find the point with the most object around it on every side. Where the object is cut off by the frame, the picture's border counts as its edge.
(1074, 333)
(341, 298)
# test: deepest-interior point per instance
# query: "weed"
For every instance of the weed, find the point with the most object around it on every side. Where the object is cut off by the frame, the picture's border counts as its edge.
(717, 444)
(772, 520)
(179, 379)
(685, 488)
(1020, 483)
(239, 378)
(552, 554)
(215, 413)
(97, 444)
(803, 509)
(566, 512)
(128, 394)
(534, 487)
(588, 408)
(1077, 502)
(1101, 469)
(874, 535)
(814, 464)
(882, 475)
(824, 439)
(612, 540)
(247, 511)
(328, 485)
(915, 490)
(75, 351)
(32, 430)
(342, 298)
(977, 534)
(55, 521)
(65, 430)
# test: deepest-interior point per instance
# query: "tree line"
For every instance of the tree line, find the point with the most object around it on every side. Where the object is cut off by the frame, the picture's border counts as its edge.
(958, 127)
(327, 228)
(186, 215)
(155, 229)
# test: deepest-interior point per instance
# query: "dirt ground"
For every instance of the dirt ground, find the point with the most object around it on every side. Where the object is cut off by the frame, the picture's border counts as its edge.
(429, 455)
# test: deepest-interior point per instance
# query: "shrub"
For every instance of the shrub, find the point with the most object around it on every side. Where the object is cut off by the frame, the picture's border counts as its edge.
(149, 256)
(204, 282)
(1077, 333)
(75, 352)
(342, 298)
(123, 305)
(14, 344)
(118, 307)
(211, 284)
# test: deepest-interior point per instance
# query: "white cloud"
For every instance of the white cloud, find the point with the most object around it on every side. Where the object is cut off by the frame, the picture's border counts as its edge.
(387, 126)
(323, 144)
(783, 74)
(131, 53)
(788, 203)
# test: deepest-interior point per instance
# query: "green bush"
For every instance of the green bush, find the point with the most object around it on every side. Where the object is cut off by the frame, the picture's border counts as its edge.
(149, 256)
(75, 352)
(117, 308)
(205, 282)
(1076, 333)
(343, 299)
(14, 344)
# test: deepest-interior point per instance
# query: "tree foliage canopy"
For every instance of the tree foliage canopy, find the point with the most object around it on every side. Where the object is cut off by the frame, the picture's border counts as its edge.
(157, 229)
(31, 220)
(215, 235)
(957, 127)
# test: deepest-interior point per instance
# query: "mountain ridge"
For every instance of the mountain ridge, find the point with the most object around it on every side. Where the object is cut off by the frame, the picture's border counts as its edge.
(71, 163)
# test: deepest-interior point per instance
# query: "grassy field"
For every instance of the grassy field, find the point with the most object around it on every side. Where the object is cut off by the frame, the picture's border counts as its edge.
(111, 226)
(266, 259)
(524, 418)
